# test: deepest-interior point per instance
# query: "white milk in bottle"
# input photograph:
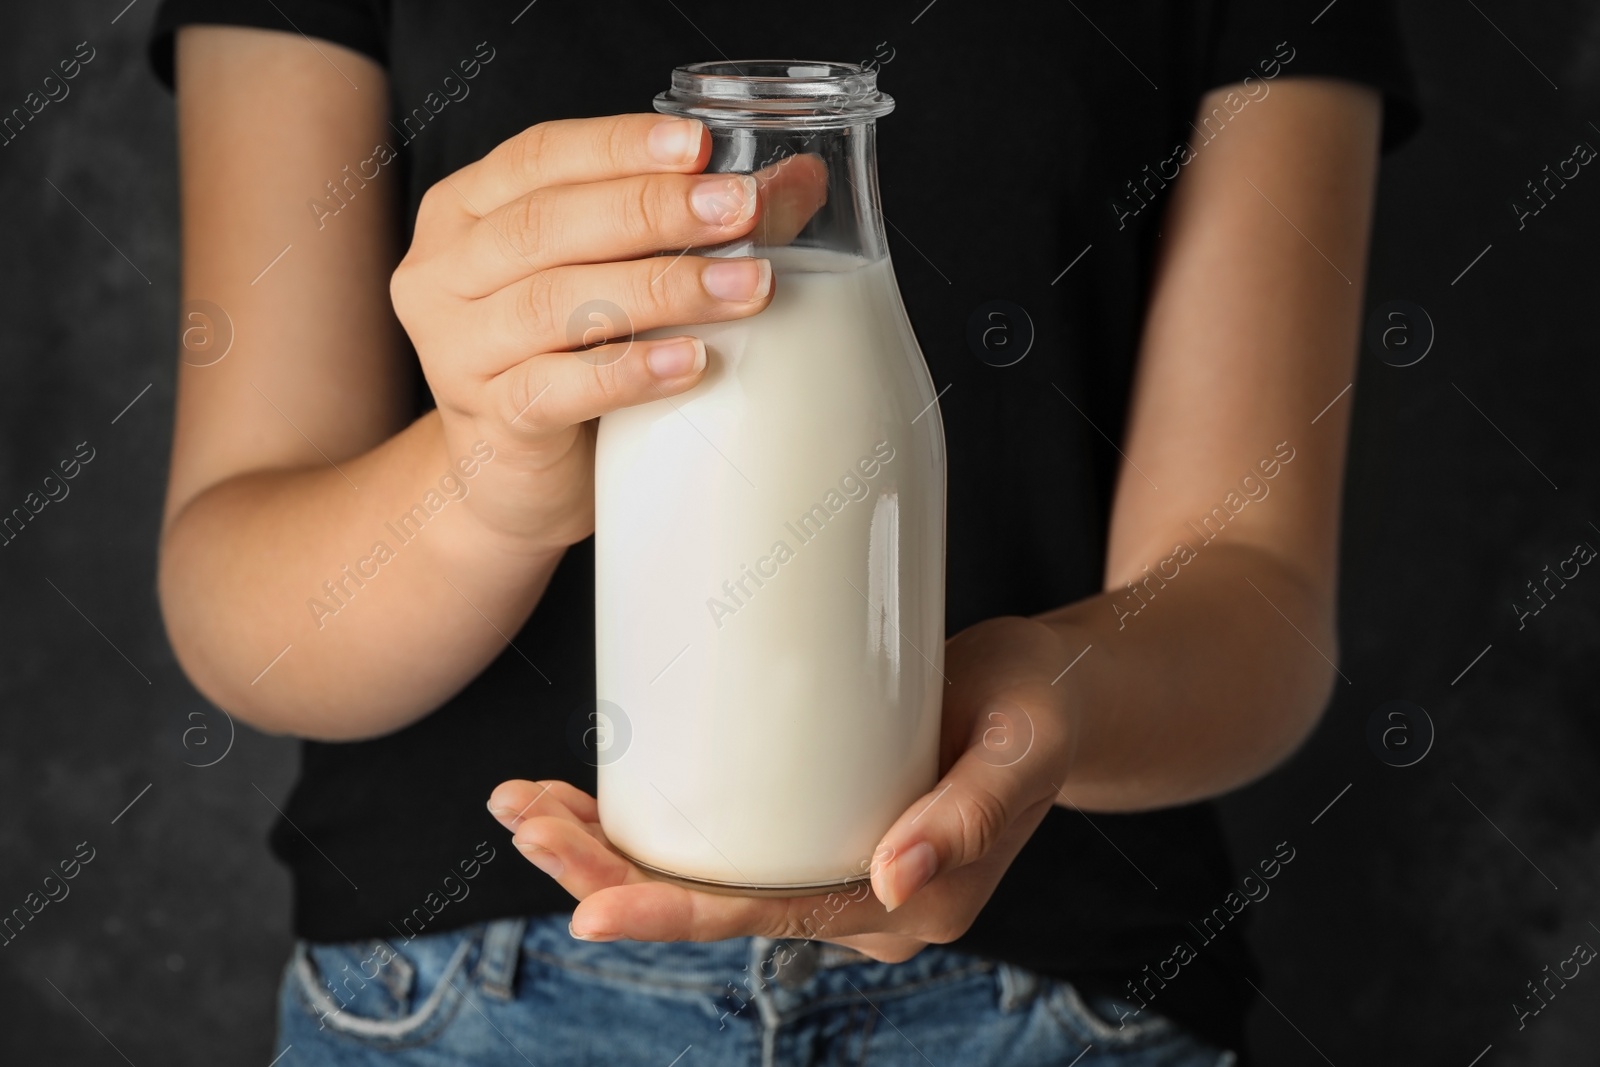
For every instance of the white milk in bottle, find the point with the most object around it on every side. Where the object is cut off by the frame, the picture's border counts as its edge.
(769, 547)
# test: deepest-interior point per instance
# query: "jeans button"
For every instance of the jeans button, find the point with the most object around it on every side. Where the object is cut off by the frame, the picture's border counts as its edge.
(796, 966)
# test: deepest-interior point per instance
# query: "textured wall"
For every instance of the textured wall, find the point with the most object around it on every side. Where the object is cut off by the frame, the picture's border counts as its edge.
(1419, 903)
(170, 938)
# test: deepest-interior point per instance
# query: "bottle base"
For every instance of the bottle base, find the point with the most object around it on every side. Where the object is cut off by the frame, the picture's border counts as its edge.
(747, 889)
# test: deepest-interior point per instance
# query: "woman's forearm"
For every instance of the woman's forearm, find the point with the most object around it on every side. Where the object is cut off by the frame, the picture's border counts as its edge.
(1220, 660)
(344, 603)
(1215, 680)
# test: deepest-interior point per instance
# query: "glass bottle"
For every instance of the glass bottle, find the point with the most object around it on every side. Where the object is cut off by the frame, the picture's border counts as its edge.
(769, 546)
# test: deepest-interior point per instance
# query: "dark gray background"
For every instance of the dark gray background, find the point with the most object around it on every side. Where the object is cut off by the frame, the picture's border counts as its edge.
(1418, 904)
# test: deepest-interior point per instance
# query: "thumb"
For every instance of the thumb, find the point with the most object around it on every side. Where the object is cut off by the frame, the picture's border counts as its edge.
(955, 824)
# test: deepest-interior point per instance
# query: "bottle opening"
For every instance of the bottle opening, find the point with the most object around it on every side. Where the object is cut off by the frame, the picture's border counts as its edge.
(793, 93)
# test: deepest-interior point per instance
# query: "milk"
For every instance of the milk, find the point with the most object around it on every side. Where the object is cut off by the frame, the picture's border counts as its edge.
(769, 578)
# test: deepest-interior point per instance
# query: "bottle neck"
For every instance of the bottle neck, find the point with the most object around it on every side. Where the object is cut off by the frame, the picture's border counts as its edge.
(818, 188)
(807, 132)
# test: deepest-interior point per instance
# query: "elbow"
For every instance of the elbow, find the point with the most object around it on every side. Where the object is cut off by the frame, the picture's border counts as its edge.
(1289, 714)
(200, 665)
(244, 642)
(239, 670)
(1314, 695)
(1301, 674)
(200, 643)
(1305, 691)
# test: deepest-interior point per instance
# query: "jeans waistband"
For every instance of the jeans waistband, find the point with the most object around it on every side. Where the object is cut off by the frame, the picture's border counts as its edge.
(787, 977)
(751, 977)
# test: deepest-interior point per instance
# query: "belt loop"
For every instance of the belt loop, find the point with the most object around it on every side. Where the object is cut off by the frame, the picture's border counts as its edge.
(501, 952)
(759, 987)
(1018, 986)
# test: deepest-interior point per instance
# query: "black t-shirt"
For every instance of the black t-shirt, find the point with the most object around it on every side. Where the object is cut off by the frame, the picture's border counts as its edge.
(1028, 138)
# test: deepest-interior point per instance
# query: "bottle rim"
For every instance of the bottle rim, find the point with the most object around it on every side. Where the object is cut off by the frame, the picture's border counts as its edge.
(788, 93)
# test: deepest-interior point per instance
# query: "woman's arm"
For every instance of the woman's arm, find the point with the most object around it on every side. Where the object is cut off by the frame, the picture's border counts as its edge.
(292, 452)
(295, 480)
(1219, 662)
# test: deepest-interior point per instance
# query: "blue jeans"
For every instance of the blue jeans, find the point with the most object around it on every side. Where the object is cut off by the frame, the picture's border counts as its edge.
(523, 991)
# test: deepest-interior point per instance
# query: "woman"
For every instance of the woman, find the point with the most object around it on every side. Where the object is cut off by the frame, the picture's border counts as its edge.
(1172, 200)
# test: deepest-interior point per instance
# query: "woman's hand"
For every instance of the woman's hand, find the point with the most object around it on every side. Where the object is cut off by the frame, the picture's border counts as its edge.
(1007, 741)
(531, 270)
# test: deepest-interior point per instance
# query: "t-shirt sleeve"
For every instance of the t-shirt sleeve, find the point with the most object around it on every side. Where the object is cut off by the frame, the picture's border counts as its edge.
(356, 24)
(1359, 40)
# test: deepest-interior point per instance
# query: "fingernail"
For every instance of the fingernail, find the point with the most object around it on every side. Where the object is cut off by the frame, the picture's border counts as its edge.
(589, 935)
(674, 359)
(507, 816)
(542, 858)
(674, 142)
(724, 200)
(909, 873)
(738, 281)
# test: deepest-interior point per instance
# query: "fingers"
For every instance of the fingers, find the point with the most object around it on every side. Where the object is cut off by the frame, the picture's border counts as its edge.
(885, 948)
(550, 391)
(513, 802)
(566, 307)
(661, 911)
(572, 151)
(792, 190)
(956, 824)
(556, 829)
(601, 222)
(574, 855)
